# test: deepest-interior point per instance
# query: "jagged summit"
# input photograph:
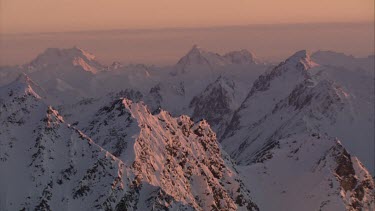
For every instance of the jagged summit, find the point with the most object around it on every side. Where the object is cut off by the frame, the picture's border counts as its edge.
(55, 165)
(178, 155)
(287, 74)
(300, 55)
(301, 58)
(270, 88)
(195, 49)
(23, 85)
(198, 56)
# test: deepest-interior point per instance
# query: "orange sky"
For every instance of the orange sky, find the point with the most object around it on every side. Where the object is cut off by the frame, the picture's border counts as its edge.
(71, 15)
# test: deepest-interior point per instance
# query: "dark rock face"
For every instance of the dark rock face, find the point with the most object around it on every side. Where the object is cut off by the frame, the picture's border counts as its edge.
(351, 182)
(155, 98)
(104, 123)
(345, 171)
(131, 94)
(214, 104)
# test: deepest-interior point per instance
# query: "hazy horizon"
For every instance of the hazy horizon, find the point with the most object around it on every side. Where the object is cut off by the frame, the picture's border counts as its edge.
(160, 32)
(164, 46)
(19, 16)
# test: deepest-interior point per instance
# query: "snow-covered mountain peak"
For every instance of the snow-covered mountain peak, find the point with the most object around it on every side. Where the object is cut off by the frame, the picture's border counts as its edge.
(65, 58)
(286, 75)
(56, 53)
(83, 52)
(199, 56)
(119, 153)
(195, 49)
(198, 59)
(55, 165)
(181, 157)
(302, 54)
(301, 58)
(23, 85)
(241, 57)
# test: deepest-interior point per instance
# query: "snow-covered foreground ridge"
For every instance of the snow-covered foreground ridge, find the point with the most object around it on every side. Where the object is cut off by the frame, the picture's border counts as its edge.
(292, 132)
(161, 162)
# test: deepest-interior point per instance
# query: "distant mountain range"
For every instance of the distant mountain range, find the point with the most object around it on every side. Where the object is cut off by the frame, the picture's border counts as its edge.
(212, 132)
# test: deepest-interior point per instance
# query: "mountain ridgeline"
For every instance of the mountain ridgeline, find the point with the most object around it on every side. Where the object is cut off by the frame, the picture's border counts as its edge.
(212, 132)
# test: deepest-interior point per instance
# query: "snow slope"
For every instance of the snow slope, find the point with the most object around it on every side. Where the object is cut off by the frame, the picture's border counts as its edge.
(106, 149)
(153, 161)
(298, 95)
(309, 172)
(270, 137)
(45, 163)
